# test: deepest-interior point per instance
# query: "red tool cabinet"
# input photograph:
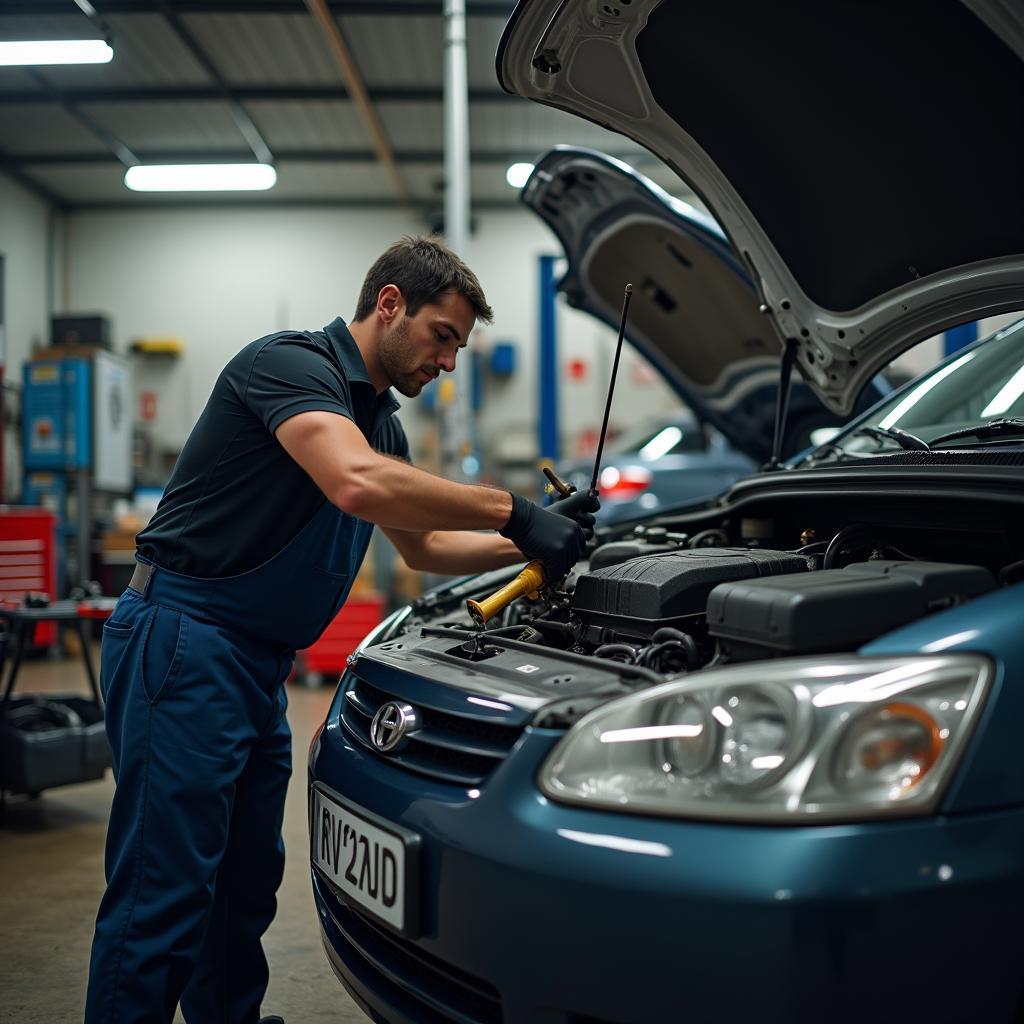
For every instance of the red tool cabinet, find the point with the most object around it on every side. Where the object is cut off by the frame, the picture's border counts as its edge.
(325, 660)
(28, 561)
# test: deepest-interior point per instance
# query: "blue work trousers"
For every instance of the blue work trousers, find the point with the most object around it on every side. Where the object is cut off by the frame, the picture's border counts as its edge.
(194, 857)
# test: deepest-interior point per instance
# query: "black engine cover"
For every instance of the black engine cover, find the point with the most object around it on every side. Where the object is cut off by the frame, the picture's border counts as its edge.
(637, 597)
(835, 609)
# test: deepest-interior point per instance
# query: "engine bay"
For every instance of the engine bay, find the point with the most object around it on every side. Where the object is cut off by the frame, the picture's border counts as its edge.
(671, 597)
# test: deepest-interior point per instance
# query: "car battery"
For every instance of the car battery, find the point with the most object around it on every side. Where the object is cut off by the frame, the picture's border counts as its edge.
(834, 609)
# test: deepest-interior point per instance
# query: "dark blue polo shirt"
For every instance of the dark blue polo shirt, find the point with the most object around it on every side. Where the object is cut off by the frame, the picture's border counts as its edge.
(235, 497)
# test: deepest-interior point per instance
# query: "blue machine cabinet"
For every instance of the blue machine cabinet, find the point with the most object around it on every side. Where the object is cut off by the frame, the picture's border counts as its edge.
(57, 415)
(76, 423)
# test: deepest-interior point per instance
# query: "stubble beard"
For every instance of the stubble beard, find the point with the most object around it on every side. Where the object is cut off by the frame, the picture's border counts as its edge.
(394, 354)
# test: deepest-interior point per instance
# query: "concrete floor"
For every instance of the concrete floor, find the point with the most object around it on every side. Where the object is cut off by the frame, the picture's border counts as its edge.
(51, 879)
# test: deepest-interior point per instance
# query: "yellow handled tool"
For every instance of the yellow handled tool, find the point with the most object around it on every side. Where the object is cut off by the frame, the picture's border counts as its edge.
(528, 583)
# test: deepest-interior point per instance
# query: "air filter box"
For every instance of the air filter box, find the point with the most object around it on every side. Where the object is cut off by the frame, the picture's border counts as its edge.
(835, 609)
(637, 597)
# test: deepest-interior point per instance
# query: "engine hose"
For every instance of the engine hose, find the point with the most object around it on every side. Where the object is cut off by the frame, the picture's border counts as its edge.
(656, 655)
(855, 531)
(617, 652)
(524, 634)
(698, 539)
(689, 644)
(565, 628)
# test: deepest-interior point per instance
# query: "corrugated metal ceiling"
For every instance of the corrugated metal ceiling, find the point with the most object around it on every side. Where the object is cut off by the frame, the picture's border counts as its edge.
(183, 85)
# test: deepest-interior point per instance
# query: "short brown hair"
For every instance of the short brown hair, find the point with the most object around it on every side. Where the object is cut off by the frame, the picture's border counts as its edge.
(422, 269)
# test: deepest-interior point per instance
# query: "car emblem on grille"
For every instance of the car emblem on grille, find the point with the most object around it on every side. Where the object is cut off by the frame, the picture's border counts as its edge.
(392, 725)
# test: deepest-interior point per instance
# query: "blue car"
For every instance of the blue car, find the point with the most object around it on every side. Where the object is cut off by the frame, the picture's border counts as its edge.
(756, 758)
(658, 464)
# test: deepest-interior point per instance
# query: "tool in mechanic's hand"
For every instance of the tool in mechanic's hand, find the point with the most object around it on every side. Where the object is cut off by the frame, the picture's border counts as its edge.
(555, 485)
(531, 581)
(528, 583)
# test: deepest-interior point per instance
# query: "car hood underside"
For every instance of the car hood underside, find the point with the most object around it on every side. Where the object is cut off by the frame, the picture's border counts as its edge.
(841, 147)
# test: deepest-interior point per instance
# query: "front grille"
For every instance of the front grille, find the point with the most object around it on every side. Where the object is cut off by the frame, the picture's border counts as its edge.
(458, 748)
(407, 976)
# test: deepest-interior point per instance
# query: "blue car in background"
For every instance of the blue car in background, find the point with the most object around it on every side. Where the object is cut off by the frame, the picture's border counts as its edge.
(657, 464)
(757, 758)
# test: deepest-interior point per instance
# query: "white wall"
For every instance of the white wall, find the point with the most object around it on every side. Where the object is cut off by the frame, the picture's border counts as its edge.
(220, 279)
(24, 226)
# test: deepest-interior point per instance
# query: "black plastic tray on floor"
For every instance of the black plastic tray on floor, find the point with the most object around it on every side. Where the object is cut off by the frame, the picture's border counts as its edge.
(31, 761)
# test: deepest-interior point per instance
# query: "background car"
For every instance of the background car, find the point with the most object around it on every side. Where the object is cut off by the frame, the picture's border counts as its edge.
(657, 464)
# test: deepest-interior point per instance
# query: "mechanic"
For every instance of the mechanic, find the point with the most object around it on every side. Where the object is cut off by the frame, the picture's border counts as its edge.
(251, 553)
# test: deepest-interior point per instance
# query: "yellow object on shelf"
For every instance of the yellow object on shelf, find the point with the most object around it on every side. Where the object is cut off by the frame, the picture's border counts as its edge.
(158, 346)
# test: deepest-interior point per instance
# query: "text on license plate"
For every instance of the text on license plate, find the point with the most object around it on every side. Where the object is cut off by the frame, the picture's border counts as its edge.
(363, 861)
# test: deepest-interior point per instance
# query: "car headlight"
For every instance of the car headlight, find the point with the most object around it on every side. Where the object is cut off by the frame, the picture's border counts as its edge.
(809, 738)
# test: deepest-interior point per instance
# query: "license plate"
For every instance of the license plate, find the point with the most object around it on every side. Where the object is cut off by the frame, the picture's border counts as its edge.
(372, 867)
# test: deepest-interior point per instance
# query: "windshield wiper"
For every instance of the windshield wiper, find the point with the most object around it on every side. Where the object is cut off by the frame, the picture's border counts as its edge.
(991, 428)
(904, 439)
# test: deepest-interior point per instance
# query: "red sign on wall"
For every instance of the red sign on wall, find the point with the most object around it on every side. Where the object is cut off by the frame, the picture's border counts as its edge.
(577, 369)
(147, 406)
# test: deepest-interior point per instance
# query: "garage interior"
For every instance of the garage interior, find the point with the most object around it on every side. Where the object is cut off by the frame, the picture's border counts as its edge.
(371, 137)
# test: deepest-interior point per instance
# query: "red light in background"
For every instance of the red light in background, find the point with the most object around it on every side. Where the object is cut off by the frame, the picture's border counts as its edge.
(623, 484)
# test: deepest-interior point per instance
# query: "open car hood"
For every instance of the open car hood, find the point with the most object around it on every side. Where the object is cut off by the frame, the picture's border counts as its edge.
(694, 311)
(840, 146)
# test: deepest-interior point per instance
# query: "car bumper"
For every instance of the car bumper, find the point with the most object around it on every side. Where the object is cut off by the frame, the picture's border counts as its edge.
(536, 913)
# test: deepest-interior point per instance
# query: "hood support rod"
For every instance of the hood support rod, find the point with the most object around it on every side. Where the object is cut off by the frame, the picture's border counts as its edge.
(782, 402)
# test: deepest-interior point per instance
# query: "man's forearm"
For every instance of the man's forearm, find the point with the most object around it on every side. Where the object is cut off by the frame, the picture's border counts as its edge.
(392, 493)
(453, 553)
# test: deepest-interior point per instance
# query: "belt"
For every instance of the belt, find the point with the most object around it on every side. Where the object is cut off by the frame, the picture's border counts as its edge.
(141, 577)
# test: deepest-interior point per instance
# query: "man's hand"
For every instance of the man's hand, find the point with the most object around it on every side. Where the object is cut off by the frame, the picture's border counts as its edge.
(539, 533)
(580, 507)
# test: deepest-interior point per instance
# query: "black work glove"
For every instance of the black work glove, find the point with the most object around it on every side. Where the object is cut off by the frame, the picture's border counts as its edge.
(580, 507)
(553, 539)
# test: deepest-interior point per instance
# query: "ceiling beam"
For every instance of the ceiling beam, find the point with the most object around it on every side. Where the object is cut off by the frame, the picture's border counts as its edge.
(108, 138)
(239, 114)
(249, 93)
(318, 155)
(474, 8)
(323, 16)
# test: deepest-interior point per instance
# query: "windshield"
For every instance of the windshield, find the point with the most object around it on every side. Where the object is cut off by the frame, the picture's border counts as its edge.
(984, 383)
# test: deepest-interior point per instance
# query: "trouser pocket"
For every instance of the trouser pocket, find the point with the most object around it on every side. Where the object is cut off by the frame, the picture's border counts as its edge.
(115, 647)
(163, 651)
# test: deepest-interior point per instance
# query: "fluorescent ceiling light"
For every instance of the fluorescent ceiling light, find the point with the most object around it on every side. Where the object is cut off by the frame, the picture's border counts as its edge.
(518, 174)
(200, 177)
(54, 51)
